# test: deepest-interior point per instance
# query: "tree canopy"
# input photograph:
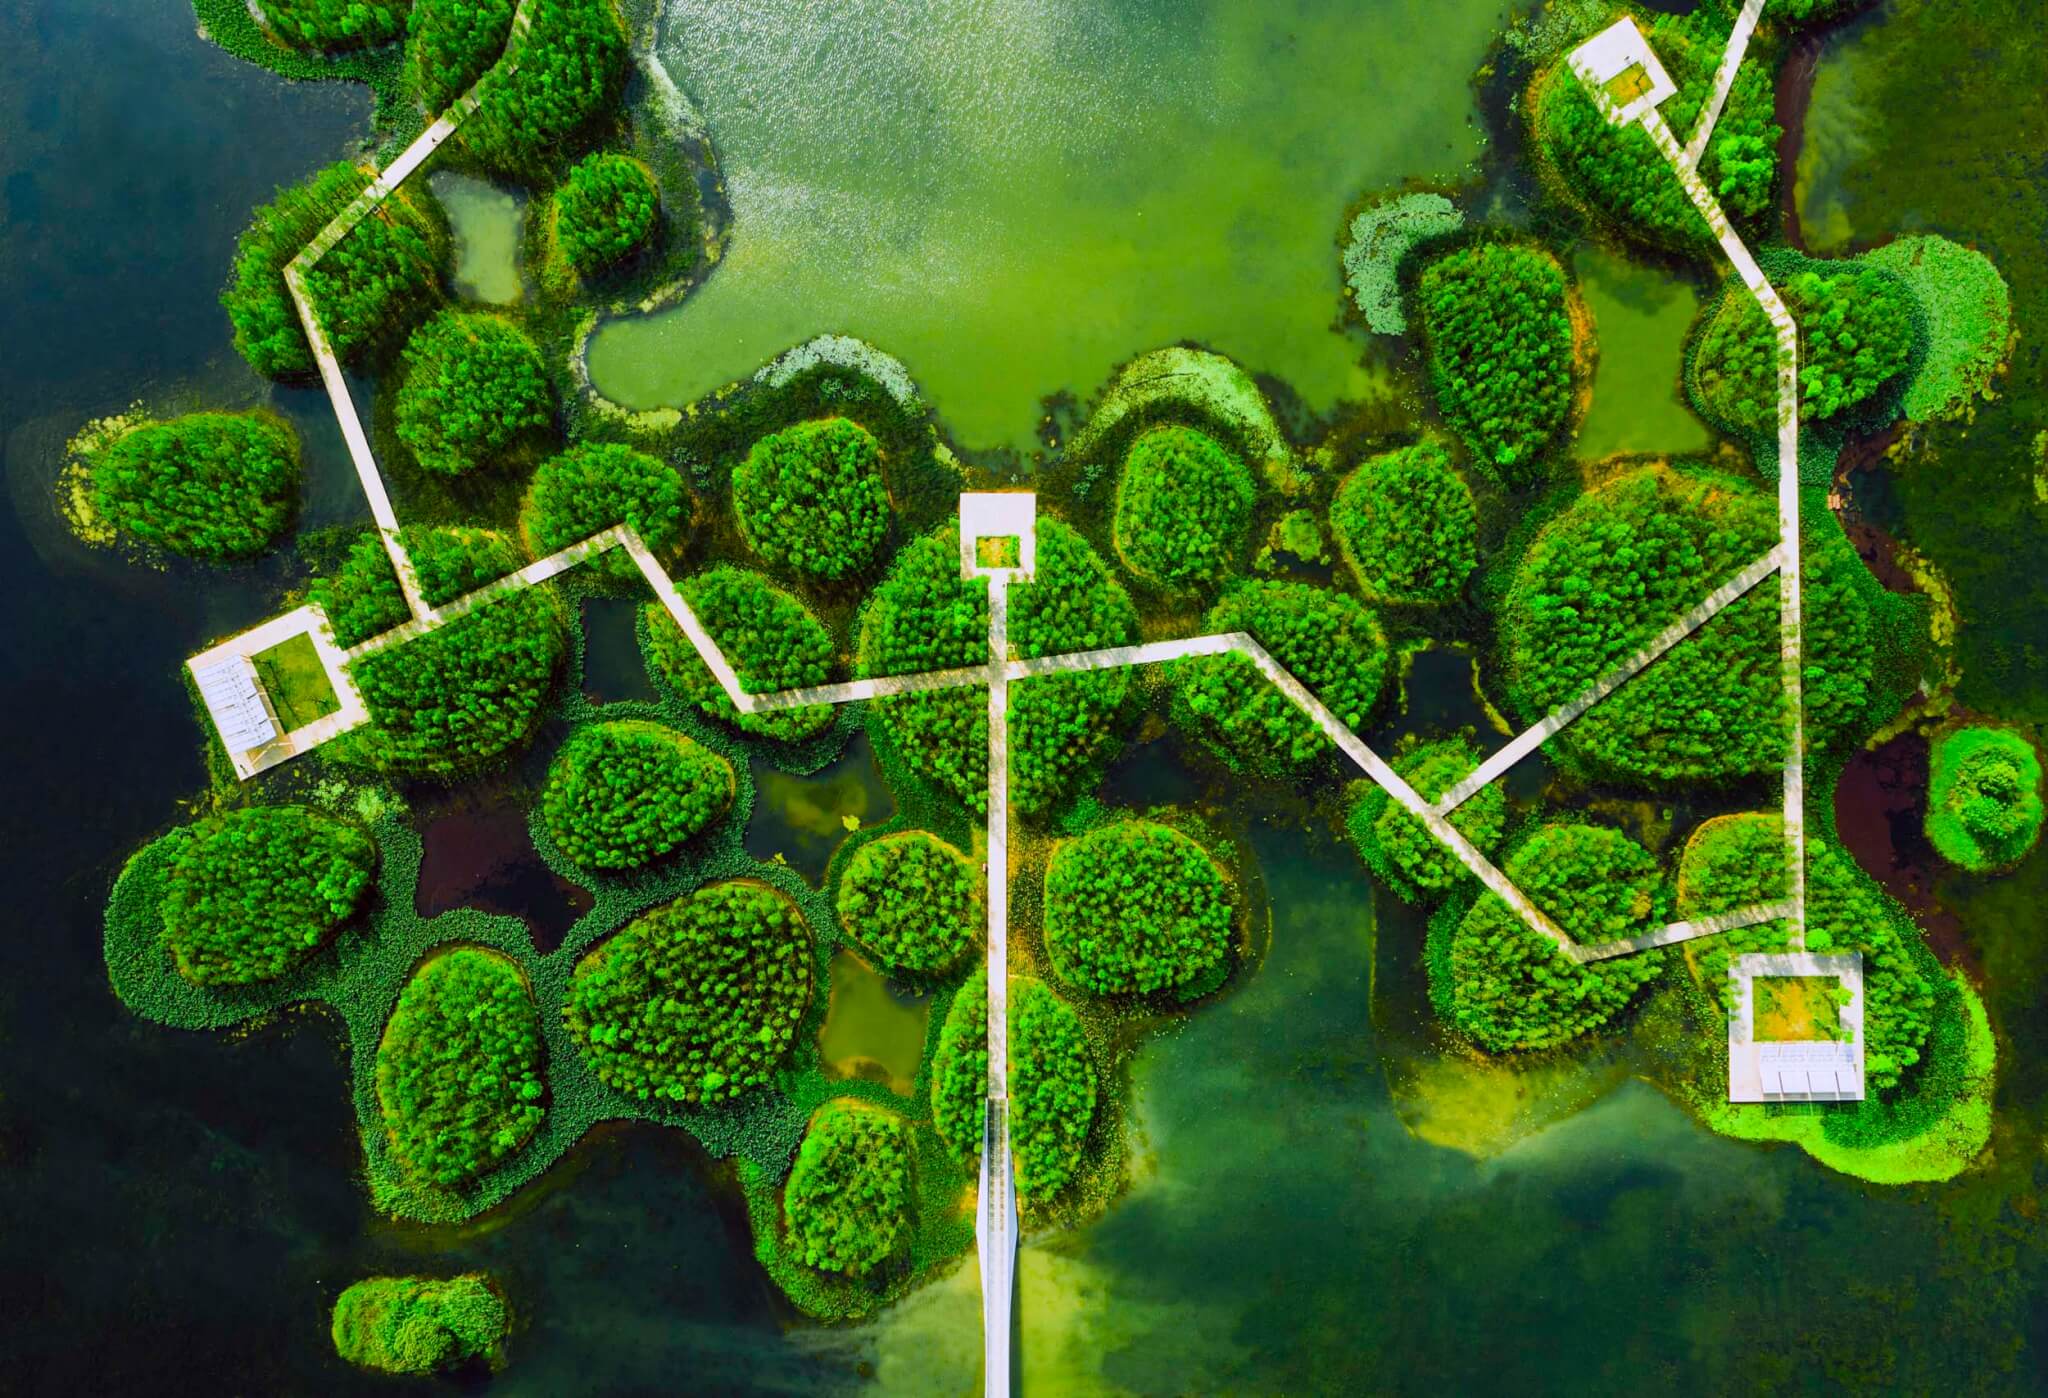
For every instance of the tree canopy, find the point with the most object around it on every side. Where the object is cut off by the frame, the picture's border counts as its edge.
(1052, 1076)
(418, 1325)
(1325, 639)
(1183, 507)
(1620, 173)
(1606, 576)
(606, 210)
(1984, 798)
(594, 485)
(1398, 848)
(365, 291)
(459, 1068)
(772, 641)
(912, 902)
(1855, 338)
(925, 616)
(1511, 987)
(332, 26)
(1499, 341)
(811, 498)
(253, 892)
(567, 78)
(212, 486)
(466, 695)
(1136, 907)
(696, 1001)
(849, 1204)
(1407, 526)
(622, 795)
(475, 394)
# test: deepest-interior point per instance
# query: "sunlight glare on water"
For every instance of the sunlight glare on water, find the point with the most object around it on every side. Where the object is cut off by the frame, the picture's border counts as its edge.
(1013, 196)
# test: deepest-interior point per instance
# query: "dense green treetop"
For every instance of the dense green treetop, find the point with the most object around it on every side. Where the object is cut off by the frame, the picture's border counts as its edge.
(960, 1069)
(1136, 907)
(362, 598)
(475, 393)
(450, 560)
(621, 795)
(849, 1203)
(605, 211)
(418, 1325)
(368, 287)
(1839, 686)
(1620, 172)
(1602, 579)
(568, 75)
(912, 902)
(466, 695)
(568, 78)
(1740, 860)
(771, 640)
(1855, 338)
(452, 43)
(1511, 987)
(1847, 911)
(375, 284)
(1499, 341)
(332, 26)
(253, 892)
(696, 1001)
(1052, 1089)
(1984, 798)
(211, 486)
(1398, 848)
(594, 485)
(1407, 525)
(1052, 1075)
(361, 595)
(811, 498)
(1732, 862)
(459, 1069)
(1325, 639)
(1183, 505)
(925, 616)
(1968, 314)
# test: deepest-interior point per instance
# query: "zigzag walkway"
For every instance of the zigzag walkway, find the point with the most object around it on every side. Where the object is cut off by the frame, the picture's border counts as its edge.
(339, 227)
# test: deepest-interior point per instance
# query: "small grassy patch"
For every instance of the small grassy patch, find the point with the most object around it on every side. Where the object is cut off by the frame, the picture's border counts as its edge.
(296, 682)
(1627, 85)
(1797, 1009)
(999, 551)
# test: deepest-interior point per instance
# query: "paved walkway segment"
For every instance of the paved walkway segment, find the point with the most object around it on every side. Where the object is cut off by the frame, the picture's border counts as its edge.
(1724, 78)
(379, 189)
(1539, 733)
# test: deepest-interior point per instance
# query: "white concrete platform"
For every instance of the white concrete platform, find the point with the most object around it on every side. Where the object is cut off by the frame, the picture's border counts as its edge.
(1817, 1070)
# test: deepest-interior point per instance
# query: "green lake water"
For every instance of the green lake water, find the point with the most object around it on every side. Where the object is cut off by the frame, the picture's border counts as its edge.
(1014, 196)
(1326, 1197)
(1641, 316)
(486, 221)
(872, 1029)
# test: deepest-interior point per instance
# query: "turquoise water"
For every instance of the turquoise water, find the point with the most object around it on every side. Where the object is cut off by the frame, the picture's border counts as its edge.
(1014, 196)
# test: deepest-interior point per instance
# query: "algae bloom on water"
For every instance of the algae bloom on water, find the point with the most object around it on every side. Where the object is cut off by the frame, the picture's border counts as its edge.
(418, 1325)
